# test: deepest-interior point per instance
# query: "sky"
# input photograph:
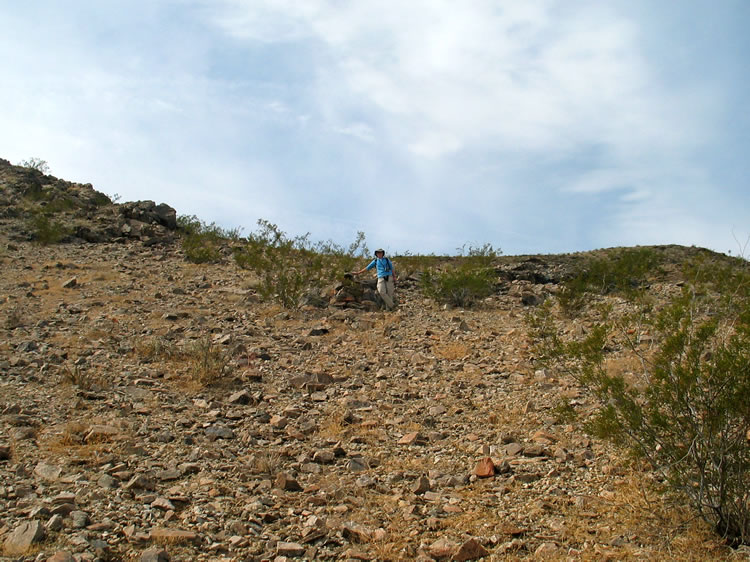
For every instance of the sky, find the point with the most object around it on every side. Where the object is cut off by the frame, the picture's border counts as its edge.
(541, 126)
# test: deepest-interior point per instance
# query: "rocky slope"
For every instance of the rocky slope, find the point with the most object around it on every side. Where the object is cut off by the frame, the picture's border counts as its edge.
(153, 409)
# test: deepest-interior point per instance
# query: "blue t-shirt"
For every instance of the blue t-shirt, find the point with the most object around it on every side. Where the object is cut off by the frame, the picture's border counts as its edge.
(384, 265)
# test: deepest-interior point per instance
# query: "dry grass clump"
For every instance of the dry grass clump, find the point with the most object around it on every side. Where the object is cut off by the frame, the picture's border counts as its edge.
(631, 518)
(13, 318)
(85, 379)
(266, 463)
(334, 424)
(451, 351)
(205, 363)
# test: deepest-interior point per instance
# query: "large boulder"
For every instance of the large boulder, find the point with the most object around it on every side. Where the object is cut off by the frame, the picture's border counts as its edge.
(150, 213)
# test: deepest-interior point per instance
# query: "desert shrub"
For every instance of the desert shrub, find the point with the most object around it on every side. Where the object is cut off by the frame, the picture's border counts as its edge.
(287, 267)
(46, 230)
(14, 318)
(102, 199)
(459, 287)
(36, 164)
(208, 362)
(56, 205)
(414, 264)
(624, 273)
(466, 283)
(687, 409)
(155, 348)
(202, 242)
(479, 257)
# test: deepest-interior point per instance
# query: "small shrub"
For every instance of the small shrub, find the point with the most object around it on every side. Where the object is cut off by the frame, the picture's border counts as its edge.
(624, 273)
(47, 231)
(208, 362)
(14, 319)
(83, 378)
(155, 348)
(460, 287)
(288, 267)
(102, 200)
(411, 264)
(36, 164)
(201, 242)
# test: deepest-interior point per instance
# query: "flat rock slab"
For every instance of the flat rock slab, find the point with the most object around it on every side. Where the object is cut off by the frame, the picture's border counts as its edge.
(173, 536)
(20, 540)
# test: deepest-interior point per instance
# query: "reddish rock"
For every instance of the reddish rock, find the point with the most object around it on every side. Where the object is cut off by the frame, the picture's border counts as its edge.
(443, 548)
(470, 550)
(285, 482)
(414, 438)
(485, 468)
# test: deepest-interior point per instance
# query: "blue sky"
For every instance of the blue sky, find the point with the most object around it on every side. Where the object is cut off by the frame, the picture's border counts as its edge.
(539, 126)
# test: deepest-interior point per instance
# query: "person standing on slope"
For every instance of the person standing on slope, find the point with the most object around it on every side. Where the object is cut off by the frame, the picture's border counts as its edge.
(386, 277)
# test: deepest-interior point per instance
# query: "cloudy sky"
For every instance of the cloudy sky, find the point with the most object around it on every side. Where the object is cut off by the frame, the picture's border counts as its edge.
(538, 126)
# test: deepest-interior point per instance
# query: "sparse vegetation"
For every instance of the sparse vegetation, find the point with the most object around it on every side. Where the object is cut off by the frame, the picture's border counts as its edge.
(13, 318)
(36, 164)
(463, 285)
(686, 409)
(623, 273)
(288, 267)
(202, 242)
(207, 362)
(45, 230)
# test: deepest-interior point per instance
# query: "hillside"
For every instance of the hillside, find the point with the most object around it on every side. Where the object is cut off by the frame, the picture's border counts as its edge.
(154, 409)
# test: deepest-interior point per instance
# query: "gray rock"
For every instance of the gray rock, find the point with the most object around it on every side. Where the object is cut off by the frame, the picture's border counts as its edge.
(80, 519)
(47, 471)
(219, 432)
(140, 481)
(154, 554)
(61, 556)
(55, 523)
(23, 537)
(107, 482)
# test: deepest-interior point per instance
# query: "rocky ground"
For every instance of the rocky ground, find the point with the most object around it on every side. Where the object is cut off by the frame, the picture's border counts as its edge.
(152, 409)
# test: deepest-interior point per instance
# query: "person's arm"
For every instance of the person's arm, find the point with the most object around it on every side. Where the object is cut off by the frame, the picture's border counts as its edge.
(368, 266)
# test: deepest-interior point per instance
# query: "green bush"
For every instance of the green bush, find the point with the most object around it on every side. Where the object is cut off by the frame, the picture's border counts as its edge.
(288, 267)
(624, 273)
(460, 287)
(202, 242)
(45, 230)
(687, 410)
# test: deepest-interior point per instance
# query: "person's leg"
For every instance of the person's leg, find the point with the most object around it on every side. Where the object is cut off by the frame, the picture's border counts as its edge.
(391, 288)
(383, 291)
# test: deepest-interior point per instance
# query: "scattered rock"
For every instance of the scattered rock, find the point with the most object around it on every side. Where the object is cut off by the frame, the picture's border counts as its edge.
(485, 468)
(470, 550)
(173, 536)
(154, 554)
(23, 537)
(285, 482)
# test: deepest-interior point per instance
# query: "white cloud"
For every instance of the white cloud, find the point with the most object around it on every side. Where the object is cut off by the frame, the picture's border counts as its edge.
(472, 122)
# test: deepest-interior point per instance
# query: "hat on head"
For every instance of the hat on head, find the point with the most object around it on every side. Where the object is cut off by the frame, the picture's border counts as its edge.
(379, 251)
